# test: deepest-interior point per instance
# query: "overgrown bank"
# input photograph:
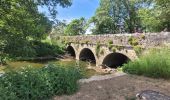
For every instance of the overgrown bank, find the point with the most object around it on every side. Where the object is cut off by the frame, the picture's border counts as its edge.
(155, 63)
(31, 83)
(34, 49)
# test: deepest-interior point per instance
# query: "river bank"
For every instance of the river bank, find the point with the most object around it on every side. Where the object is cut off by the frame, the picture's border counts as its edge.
(124, 87)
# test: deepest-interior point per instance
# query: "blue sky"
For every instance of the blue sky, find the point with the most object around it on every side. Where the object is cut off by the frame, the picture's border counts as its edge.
(79, 8)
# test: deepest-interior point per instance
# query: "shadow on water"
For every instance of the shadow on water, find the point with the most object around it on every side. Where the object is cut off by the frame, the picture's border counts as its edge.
(65, 62)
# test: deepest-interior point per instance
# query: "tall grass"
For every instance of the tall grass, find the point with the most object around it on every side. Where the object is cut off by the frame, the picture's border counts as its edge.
(155, 63)
(38, 83)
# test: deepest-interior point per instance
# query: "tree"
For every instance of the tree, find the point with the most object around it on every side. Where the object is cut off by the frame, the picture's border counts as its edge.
(76, 27)
(102, 19)
(58, 29)
(164, 8)
(21, 23)
(151, 15)
(113, 14)
(155, 15)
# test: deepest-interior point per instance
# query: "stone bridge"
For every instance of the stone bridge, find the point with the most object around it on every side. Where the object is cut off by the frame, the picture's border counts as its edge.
(112, 50)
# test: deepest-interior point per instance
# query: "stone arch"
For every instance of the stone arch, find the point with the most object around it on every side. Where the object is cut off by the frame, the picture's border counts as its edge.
(71, 51)
(114, 60)
(87, 54)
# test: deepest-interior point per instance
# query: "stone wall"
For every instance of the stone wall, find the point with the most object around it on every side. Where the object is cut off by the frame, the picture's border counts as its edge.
(144, 39)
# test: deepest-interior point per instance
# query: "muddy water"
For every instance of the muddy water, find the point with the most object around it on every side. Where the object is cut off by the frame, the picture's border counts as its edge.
(64, 62)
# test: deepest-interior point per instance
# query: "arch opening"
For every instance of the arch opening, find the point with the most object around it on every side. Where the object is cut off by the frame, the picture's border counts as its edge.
(87, 55)
(115, 60)
(70, 51)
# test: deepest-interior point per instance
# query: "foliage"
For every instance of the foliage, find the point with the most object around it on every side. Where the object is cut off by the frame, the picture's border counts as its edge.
(110, 46)
(102, 51)
(110, 42)
(76, 27)
(45, 49)
(138, 49)
(87, 41)
(38, 83)
(133, 41)
(33, 49)
(3, 58)
(21, 22)
(155, 63)
(97, 48)
(114, 16)
(58, 29)
(113, 49)
(155, 18)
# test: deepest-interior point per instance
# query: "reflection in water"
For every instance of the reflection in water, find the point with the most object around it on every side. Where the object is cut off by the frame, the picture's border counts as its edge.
(66, 63)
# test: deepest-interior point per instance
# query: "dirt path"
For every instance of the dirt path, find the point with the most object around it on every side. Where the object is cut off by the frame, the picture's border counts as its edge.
(117, 88)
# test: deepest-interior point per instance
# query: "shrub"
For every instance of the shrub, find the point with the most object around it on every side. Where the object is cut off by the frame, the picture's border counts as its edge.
(32, 49)
(38, 83)
(110, 41)
(133, 41)
(110, 46)
(113, 49)
(138, 49)
(97, 48)
(21, 49)
(102, 52)
(46, 49)
(86, 42)
(3, 58)
(154, 64)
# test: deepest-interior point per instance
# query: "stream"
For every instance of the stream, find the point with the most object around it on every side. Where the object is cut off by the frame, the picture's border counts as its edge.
(71, 62)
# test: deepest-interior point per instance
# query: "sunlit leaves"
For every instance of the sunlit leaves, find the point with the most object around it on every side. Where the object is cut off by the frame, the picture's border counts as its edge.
(76, 27)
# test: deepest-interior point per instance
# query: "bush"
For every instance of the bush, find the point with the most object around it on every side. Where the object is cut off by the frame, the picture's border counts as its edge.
(38, 83)
(20, 49)
(46, 49)
(97, 48)
(110, 41)
(32, 49)
(156, 64)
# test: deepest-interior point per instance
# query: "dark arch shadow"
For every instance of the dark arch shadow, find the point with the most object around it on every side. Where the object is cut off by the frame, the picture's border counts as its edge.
(115, 60)
(87, 55)
(70, 50)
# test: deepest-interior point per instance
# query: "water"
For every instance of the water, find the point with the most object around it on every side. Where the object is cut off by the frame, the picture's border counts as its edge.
(65, 62)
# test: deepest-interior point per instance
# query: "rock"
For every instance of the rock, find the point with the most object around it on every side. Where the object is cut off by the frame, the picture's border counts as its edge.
(103, 66)
(152, 95)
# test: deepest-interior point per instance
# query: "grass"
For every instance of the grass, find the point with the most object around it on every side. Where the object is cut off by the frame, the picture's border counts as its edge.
(155, 64)
(30, 83)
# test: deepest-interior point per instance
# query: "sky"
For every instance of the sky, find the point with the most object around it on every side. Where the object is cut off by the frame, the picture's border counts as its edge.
(78, 9)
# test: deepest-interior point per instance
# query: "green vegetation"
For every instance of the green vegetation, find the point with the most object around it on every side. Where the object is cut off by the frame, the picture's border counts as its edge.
(102, 51)
(113, 49)
(138, 49)
(30, 83)
(155, 63)
(133, 41)
(76, 27)
(21, 25)
(97, 48)
(110, 42)
(114, 16)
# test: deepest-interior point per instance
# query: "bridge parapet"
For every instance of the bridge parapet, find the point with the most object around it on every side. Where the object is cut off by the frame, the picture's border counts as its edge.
(144, 39)
(112, 50)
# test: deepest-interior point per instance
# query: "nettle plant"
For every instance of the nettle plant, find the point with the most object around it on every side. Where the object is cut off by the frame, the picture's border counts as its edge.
(30, 83)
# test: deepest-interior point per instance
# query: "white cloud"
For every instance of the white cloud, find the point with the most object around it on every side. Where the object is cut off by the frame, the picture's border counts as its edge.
(88, 31)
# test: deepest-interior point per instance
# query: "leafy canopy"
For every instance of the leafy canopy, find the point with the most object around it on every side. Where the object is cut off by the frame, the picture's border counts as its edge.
(21, 23)
(76, 27)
